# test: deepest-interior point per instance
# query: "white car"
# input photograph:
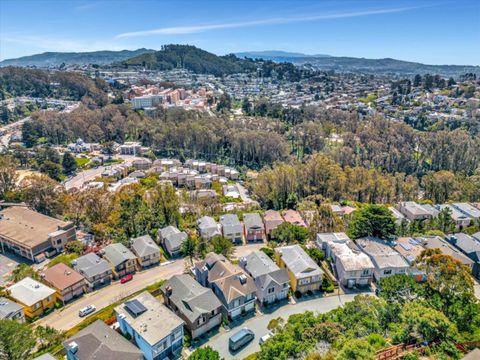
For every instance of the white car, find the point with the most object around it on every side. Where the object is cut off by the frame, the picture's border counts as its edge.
(265, 338)
(87, 310)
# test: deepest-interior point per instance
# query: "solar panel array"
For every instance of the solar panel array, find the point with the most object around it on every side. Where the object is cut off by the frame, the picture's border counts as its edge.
(135, 307)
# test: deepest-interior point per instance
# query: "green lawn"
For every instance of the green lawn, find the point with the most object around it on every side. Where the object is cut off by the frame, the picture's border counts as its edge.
(81, 162)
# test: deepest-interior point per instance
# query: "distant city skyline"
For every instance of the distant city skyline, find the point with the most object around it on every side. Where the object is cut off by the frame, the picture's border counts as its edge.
(430, 32)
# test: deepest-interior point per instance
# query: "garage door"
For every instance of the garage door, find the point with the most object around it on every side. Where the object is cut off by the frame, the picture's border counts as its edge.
(249, 306)
(235, 313)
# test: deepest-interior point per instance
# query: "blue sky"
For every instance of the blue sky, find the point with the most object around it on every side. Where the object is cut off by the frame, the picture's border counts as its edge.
(433, 32)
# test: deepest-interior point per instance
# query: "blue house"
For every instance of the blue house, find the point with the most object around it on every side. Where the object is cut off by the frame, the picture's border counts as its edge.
(156, 330)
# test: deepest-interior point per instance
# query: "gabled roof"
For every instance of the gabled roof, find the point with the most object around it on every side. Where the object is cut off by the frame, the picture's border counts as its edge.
(435, 242)
(29, 291)
(118, 254)
(298, 261)
(469, 245)
(257, 263)
(91, 265)
(60, 276)
(98, 341)
(279, 277)
(252, 220)
(144, 246)
(191, 298)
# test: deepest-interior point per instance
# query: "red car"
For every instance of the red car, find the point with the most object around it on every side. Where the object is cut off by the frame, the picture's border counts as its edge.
(126, 278)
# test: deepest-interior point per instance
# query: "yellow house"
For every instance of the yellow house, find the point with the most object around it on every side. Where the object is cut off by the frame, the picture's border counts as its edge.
(305, 275)
(34, 296)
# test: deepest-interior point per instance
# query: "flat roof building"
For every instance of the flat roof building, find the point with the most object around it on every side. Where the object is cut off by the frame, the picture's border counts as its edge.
(33, 235)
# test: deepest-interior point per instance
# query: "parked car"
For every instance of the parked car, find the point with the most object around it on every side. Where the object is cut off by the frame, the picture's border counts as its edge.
(87, 310)
(126, 278)
(240, 339)
(265, 338)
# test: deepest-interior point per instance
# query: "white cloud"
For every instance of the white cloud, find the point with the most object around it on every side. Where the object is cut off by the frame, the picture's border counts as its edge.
(178, 30)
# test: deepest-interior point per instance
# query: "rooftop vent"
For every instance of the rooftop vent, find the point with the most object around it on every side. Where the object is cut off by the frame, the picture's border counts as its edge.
(73, 347)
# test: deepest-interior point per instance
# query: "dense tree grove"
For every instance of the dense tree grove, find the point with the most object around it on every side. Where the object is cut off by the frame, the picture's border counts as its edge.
(17, 81)
(322, 177)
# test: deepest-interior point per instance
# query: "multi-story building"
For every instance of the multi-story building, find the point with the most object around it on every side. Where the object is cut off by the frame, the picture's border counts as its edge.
(68, 283)
(122, 260)
(196, 305)
(235, 289)
(272, 282)
(96, 271)
(35, 297)
(156, 330)
(10, 310)
(33, 235)
(254, 229)
(148, 253)
(352, 266)
(304, 274)
(231, 228)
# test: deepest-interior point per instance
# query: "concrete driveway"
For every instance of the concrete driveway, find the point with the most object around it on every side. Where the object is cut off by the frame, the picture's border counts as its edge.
(258, 324)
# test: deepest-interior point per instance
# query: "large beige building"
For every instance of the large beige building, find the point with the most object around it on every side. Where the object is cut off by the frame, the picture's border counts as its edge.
(33, 235)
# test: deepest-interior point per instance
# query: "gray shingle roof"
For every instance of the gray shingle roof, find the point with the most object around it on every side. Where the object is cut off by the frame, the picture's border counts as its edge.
(298, 261)
(257, 263)
(8, 307)
(91, 265)
(118, 253)
(279, 276)
(191, 298)
(98, 341)
(253, 221)
(144, 246)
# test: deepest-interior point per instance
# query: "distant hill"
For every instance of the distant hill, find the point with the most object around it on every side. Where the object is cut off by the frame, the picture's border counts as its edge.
(191, 58)
(55, 59)
(361, 65)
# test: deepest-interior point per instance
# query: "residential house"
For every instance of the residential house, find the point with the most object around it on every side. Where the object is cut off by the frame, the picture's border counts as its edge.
(231, 191)
(32, 235)
(130, 148)
(414, 211)
(399, 217)
(467, 209)
(436, 242)
(470, 247)
(235, 289)
(272, 282)
(208, 227)
(68, 283)
(254, 230)
(122, 260)
(304, 273)
(96, 271)
(460, 219)
(293, 217)
(352, 266)
(99, 341)
(410, 249)
(10, 310)
(35, 297)
(142, 164)
(272, 220)
(156, 330)
(148, 253)
(231, 228)
(387, 261)
(198, 306)
(171, 239)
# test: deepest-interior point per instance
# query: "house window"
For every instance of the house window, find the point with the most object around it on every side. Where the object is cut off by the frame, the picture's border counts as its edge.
(213, 312)
(387, 272)
(271, 290)
(366, 272)
(237, 303)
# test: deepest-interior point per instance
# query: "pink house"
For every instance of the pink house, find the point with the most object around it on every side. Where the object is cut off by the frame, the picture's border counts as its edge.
(272, 220)
(293, 217)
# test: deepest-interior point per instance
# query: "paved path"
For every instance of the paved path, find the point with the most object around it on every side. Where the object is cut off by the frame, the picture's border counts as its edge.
(67, 317)
(258, 324)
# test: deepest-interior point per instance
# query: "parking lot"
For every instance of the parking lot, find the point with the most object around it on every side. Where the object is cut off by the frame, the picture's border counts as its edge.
(8, 262)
